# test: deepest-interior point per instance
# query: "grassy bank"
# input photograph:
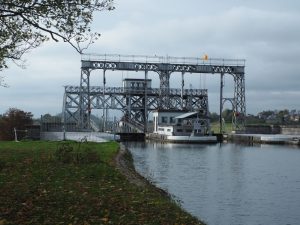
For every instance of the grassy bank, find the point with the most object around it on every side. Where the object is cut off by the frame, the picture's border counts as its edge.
(71, 183)
(215, 127)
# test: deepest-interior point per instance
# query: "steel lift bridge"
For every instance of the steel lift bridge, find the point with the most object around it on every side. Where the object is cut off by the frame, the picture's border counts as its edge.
(136, 103)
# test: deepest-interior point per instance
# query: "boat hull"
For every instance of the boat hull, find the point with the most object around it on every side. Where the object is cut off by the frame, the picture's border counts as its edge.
(183, 139)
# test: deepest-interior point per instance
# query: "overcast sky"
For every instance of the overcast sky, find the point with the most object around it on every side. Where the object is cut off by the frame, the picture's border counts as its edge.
(266, 33)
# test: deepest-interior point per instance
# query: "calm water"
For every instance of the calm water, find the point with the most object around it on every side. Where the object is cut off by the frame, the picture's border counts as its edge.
(226, 184)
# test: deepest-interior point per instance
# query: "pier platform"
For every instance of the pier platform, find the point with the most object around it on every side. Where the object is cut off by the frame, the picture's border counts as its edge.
(265, 138)
(132, 136)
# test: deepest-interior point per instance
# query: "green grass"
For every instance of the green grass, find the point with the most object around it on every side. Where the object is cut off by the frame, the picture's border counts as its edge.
(41, 185)
(215, 127)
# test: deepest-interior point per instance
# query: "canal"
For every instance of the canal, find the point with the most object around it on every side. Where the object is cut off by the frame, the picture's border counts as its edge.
(226, 184)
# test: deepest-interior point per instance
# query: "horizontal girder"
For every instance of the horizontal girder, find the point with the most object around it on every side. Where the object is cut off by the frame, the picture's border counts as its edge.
(115, 98)
(140, 66)
(126, 91)
(160, 63)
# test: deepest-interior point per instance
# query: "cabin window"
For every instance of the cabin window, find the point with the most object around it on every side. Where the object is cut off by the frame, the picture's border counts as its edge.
(172, 120)
(161, 129)
(164, 119)
(169, 130)
(179, 121)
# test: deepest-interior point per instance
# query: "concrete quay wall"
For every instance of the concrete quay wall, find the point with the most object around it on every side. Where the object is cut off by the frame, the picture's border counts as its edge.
(265, 138)
(273, 129)
(79, 136)
(290, 130)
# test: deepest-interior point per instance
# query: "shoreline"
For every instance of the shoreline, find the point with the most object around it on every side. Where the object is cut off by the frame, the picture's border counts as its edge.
(124, 163)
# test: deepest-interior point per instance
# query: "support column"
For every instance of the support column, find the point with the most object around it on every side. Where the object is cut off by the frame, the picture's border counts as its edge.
(85, 104)
(103, 103)
(164, 94)
(240, 101)
(146, 104)
(182, 88)
(64, 115)
(221, 102)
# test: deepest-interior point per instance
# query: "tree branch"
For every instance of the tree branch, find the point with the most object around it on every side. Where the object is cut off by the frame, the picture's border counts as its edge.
(25, 24)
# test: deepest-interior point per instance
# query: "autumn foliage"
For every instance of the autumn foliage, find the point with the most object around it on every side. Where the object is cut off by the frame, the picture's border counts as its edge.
(14, 118)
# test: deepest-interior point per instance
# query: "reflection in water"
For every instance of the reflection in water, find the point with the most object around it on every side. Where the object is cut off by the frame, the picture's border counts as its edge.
(226, 184)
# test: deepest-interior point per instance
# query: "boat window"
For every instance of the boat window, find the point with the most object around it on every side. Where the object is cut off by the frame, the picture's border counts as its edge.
(179, 121)
(164, 119)
(172, 119)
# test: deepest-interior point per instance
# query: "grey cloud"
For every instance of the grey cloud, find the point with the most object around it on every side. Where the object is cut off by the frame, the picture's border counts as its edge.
(263, 32)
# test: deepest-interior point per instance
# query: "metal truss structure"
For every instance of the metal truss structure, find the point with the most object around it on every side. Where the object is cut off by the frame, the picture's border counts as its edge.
(79, 101)
(130, 101)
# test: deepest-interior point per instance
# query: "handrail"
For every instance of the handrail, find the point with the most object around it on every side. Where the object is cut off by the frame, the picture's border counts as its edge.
(163, 59)
(122, 90)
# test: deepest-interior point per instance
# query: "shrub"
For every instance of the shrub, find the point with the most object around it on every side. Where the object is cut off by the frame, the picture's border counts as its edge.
(67, 153)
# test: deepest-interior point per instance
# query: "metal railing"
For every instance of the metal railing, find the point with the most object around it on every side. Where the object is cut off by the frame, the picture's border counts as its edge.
(163, 59)
(123, 91)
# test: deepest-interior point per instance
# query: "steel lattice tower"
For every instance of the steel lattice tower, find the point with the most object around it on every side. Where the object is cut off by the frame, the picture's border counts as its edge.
(79, 101)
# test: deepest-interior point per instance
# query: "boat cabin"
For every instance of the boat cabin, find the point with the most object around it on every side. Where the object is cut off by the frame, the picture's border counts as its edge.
(180, 123)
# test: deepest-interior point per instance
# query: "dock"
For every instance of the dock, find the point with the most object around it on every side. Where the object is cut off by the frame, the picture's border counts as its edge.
(132, 136)
(265, 138)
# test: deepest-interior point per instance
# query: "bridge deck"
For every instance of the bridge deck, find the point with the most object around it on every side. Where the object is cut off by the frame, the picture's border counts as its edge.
(135, 91)
(162, 59)
(159, 63)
